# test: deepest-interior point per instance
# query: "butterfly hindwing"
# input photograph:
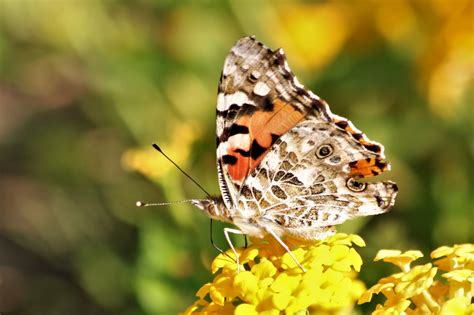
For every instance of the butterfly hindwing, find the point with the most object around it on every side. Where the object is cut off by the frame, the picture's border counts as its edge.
(304, 183)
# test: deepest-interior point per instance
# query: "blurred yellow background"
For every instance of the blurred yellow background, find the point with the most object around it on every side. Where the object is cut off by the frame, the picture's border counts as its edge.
(86, 86)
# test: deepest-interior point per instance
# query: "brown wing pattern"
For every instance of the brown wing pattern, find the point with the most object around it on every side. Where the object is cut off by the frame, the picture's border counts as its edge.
(260, 110)
(259, 99)
(304, 184)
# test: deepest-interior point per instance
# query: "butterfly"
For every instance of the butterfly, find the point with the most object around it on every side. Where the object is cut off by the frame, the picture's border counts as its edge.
(286, 165)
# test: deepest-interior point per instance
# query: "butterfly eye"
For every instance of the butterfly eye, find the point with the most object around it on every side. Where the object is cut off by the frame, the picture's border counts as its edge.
(356, 186)
(324, 151)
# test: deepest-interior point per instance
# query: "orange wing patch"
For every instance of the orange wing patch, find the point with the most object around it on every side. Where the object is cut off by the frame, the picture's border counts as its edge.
(368, 167)
(265, 127)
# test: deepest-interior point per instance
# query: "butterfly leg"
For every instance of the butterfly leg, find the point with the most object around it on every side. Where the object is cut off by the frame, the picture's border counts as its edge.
(234, 231)
(272, 233)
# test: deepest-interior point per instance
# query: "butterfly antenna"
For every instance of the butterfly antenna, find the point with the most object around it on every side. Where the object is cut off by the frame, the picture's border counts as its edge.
(154, 145)
(144, 204)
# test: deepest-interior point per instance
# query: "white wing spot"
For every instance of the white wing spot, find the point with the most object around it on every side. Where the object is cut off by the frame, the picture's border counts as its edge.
(261, 89)
(220, 101)
(297, 83)
(224, 101)
(256, 74)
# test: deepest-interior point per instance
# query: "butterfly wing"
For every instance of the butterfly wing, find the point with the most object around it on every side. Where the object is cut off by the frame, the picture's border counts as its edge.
(259, 100)
(283, 157)
(307, 182)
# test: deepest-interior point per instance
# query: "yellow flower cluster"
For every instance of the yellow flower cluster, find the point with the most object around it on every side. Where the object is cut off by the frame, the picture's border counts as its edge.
(270, 282)
(416, 291)
(146, 160)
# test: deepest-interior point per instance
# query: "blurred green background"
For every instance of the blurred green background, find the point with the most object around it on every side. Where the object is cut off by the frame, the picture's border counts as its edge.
(86, 86)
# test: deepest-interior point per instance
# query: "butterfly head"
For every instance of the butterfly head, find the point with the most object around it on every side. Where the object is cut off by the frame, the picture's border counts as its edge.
(213, 206)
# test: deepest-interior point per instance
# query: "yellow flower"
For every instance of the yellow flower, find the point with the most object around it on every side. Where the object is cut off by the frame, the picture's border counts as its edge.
(416, 291)
(270, 282)
(459, 305)
(146, 160)
(299, 21)
(396, 257)
(456, 257)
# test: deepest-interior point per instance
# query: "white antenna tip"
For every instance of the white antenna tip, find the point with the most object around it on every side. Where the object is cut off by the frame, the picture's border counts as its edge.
(140, 204)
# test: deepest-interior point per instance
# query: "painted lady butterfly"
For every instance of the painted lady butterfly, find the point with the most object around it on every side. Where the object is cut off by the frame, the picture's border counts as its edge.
(287, 166)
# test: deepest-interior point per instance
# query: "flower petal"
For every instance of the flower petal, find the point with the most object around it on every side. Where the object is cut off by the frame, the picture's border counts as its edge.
(245, 309)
